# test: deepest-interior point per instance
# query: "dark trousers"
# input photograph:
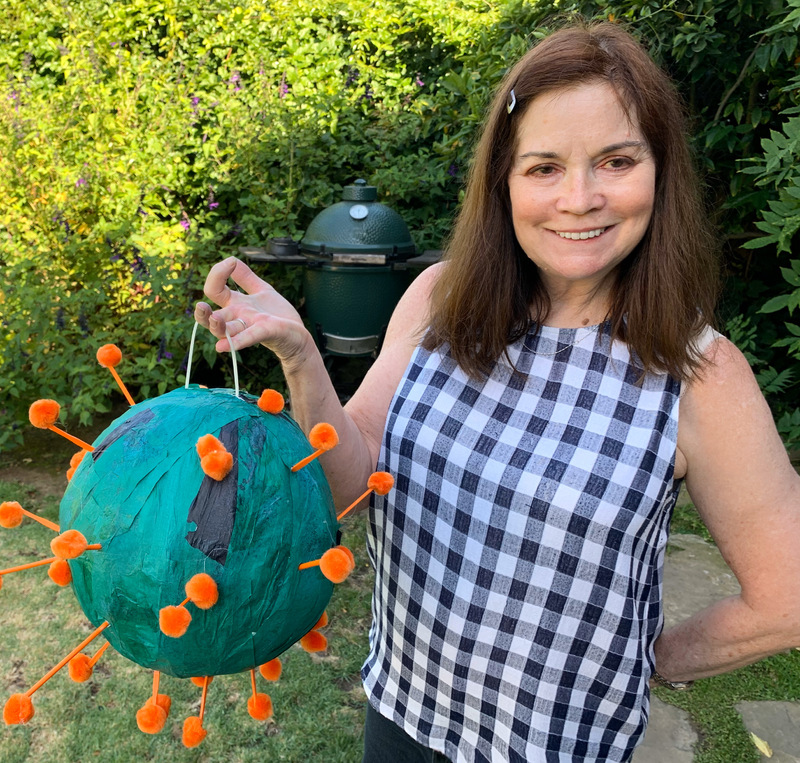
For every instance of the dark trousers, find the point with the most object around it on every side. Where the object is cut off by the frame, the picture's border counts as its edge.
(386, 742)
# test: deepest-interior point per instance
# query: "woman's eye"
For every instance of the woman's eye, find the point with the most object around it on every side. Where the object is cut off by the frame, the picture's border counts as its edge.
(542, 170)
(618, 162)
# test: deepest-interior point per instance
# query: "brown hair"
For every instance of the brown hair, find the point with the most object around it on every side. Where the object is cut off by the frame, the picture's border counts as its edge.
(665, 291)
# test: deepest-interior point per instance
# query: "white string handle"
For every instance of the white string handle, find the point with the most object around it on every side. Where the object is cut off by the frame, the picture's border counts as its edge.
(233, 357)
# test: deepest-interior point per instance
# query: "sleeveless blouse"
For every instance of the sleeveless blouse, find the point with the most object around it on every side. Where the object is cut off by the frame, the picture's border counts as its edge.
(519, 556)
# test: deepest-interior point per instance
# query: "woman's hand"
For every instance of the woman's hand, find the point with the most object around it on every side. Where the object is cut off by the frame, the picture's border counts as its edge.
(259, 315)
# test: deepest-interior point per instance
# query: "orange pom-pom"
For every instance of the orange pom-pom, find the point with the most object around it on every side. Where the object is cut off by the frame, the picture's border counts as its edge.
(209, 444)
(323, 620)
(323, 437)
(164, 701)
(336, 565)
(80, 668)
(350, 556)
(271, 670)
(380, 482)
(109, 355)
(217, 465)
(193, 731)
(10, 514)
(69, 545)
(18, 709)
(260, 707)
(77, 458)
(314, 641)
(271, 401)
(44, 413)
(199, 680)
(60, 573)
(202, 590)
(174, 621)
(150, 718)
(70, 473)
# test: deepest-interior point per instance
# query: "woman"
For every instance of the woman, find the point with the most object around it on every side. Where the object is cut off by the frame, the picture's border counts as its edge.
(539, 398)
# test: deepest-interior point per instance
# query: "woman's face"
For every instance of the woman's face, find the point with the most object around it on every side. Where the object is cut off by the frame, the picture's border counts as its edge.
(582, 186)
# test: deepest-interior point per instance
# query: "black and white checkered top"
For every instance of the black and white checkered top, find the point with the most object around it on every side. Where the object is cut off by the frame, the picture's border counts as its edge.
(519, 556)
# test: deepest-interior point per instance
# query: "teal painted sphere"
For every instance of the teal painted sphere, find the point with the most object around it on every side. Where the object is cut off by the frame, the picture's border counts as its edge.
(143, 496)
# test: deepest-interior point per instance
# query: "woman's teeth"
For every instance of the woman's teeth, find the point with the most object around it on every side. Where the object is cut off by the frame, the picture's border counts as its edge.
(582, 235)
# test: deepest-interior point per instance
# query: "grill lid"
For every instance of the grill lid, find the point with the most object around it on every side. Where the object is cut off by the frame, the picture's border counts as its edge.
(358, 225)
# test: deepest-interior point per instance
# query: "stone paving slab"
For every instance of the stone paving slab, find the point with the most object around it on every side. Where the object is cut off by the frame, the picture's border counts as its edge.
(778, 724)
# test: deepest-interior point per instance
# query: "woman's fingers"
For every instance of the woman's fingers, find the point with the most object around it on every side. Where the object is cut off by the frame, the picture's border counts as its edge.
(216, 286)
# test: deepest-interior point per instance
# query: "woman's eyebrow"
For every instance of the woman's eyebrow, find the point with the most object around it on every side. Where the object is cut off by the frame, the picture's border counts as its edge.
(605, 150)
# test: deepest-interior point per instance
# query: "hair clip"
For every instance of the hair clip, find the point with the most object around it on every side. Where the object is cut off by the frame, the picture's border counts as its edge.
(512, 101)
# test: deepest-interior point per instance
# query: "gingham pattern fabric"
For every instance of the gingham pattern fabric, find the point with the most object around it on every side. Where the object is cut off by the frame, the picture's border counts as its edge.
(519, 556)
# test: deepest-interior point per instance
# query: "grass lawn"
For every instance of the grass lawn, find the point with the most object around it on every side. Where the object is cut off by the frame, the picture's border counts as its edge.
(319, 703)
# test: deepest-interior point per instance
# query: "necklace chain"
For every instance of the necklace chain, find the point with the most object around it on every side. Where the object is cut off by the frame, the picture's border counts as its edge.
(574, 342)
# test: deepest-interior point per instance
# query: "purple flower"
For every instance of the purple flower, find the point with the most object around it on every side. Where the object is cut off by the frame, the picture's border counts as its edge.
(80, 182)
(213, 204)
(195, 101)
(452, 170)
(419, 82)
(186, 224)
(284, 88)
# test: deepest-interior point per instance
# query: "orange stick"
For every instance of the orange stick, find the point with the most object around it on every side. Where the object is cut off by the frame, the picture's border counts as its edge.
(80, 443)
(354, 504)
(94, 547)
(29, 566)
(120, 384)
(307, 460)
(156, 677)
(42, 520)
(206, 681)
(253, 681)
(50, 673)
(99, 654)
(306, 565)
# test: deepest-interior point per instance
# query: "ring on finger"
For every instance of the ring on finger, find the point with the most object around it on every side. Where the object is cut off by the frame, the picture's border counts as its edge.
(244, 325)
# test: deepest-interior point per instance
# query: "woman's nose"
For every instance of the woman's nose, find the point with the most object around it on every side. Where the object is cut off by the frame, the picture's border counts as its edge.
(579, 193)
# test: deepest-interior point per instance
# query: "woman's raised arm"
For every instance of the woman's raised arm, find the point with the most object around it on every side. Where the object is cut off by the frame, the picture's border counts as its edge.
(260, 315)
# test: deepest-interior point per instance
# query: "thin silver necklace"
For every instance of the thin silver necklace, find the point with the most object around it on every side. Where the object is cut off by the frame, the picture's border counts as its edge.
(576, 341)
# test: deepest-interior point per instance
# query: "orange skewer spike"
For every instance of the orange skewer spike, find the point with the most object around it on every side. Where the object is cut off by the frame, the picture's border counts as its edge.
(313, 642)
(81, 666)
(108, 356)
(380, 482)
(43, 414)
(19, 708)
(258, 705)
(202, 591)
(71, 544)
(271, 401)
(28, 566)
(215, 460)
(322, 437)
(11, 514)
(152, 716)
(193, 731)
(271, 671)
(336, 564)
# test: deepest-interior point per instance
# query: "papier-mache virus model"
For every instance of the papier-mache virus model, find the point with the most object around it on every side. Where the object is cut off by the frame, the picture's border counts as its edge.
(200, 538)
